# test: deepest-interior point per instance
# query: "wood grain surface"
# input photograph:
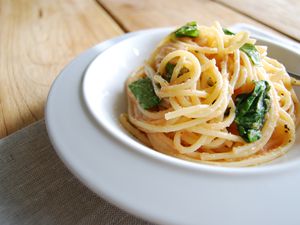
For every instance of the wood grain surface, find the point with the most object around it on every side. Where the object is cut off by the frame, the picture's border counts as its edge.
(37, 39)
(134, 15)
(281, 15)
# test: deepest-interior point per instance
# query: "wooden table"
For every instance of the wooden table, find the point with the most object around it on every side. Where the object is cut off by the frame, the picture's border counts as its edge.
(39, 37)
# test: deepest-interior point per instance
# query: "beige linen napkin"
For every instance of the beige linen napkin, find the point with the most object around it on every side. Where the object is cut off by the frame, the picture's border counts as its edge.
(36, 187)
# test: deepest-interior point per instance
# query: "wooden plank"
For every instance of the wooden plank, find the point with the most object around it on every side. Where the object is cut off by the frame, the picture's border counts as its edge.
(282, 15)
(134, 15)
(37, 39)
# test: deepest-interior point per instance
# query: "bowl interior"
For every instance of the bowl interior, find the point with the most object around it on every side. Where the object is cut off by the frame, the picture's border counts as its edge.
(103, 84)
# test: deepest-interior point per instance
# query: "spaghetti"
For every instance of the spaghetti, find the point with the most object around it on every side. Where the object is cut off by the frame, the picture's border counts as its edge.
(211, 96)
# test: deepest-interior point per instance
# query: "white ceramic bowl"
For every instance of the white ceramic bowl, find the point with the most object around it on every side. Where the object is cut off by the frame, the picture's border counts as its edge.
(103, 91)
(148, 184)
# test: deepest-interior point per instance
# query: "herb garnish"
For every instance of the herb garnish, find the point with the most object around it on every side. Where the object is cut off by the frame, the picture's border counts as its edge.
(169, 71)
(248, 48)
(228, 32)
(143, 91)
(251, 109)
(252, 53)
(188, 30)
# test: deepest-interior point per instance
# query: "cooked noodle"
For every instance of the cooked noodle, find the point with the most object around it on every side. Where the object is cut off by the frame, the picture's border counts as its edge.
(195, 119)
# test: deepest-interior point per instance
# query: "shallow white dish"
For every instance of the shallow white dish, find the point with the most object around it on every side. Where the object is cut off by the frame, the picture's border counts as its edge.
(104, 94)
(144, 182)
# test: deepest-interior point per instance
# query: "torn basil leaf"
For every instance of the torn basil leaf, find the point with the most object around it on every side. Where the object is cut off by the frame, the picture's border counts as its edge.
(228, 32)
(251, 109)
(143, 91)
(188, 30)
(248, 48)
(169, 71)
(251, 52)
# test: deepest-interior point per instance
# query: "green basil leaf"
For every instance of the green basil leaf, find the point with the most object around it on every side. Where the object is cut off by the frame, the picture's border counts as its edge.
(228, 32)
(169, 71)
(252, 53)
(143, 91)
(248, 48)
(188, 30)
(251, 109)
